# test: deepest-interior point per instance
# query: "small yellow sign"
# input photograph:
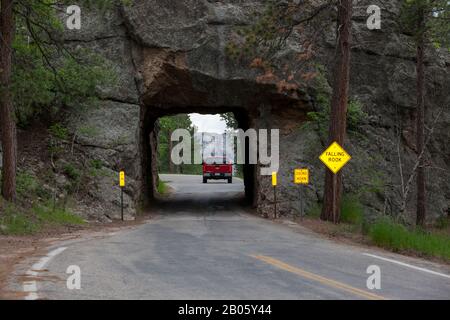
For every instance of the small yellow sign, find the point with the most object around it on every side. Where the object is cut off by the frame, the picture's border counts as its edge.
(335, 157)
(274, 179)
(301, 176)
(122, 179)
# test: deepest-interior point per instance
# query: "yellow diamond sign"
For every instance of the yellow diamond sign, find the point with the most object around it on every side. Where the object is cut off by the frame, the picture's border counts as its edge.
(335, 157)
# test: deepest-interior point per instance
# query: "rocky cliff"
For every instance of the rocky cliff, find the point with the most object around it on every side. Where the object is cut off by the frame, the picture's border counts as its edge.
(170, 58)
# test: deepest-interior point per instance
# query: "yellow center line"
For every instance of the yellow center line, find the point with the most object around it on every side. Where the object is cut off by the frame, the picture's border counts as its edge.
(311, 276)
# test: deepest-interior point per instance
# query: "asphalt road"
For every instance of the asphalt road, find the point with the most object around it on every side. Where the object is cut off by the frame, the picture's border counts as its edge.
(205, 245)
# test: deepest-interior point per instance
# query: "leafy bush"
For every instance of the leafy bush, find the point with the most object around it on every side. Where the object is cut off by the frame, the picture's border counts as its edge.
(96, 164)
(355, 113)
(26, 184)
(28, 187)
(162, 187)
(388, 234)
(59, 132)
(72, 172)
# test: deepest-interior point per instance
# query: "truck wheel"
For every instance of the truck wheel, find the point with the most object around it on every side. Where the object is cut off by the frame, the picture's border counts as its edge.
(205, 180)
(230, 180)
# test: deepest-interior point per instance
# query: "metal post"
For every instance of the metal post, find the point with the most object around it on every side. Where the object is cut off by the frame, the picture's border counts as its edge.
(301, 202)
(275, 200)
(121, 202)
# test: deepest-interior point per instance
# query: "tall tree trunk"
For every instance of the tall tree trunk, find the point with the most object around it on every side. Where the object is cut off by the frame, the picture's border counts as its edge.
(7, 121)
(331, 210)
(420, 126)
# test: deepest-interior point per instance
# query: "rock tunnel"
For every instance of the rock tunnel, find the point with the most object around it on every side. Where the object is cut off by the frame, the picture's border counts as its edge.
(171, 88)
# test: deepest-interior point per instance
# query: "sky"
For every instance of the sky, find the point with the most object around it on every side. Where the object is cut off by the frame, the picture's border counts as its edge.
(208, 123)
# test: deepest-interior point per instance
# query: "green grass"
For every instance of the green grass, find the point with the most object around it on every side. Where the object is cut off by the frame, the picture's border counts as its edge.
(18, 221)
(351, 210)
(57, 216)
(396, 237)
(29, 188)
(14, 222)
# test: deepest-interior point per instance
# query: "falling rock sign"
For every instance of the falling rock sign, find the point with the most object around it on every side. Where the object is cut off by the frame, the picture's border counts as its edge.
(335, 157)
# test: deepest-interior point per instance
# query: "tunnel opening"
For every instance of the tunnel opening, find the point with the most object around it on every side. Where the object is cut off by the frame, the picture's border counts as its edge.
(176, 82)
(158, 172)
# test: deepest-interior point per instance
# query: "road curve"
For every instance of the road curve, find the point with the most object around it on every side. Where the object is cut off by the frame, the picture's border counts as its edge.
(203, 244)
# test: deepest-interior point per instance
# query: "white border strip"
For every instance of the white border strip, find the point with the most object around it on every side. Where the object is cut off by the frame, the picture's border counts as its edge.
(30, 287)
(408, 265)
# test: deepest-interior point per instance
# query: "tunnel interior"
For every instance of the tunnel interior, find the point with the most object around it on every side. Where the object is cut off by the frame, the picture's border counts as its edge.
(149, 150)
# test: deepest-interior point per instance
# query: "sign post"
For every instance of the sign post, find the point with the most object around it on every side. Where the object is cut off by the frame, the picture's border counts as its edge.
(122, 185)
(274, 184)
(301, 177)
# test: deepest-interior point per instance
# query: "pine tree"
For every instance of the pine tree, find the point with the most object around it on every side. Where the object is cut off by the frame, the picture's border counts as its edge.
(338, 121)
(428, 21)
(7, 122)
(35, 80)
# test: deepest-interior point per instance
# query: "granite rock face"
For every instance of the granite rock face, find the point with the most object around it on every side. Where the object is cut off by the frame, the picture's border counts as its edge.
(170, 58)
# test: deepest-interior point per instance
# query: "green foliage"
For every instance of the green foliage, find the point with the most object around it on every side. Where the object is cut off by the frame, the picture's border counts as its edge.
(46, 74)
(443, 222)
(58, 131)
(32, 81)
(96, 169)
(351, 210)
(162, 187)
(15, 222)
(29, 187)
(230, 120)
(26, 185)
(72, 172)
(96, 164)
(355, 114)
(314, 211)
(88, 131)
(390, 235)
(78, 79)
(57, 216)
(266, 36)
(167, 126)
(435, 28)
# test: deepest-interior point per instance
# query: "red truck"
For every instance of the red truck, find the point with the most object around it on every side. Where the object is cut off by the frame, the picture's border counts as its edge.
(217, 168)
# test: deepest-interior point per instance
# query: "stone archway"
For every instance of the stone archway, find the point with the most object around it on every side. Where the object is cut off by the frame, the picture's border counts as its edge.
(169, 86)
